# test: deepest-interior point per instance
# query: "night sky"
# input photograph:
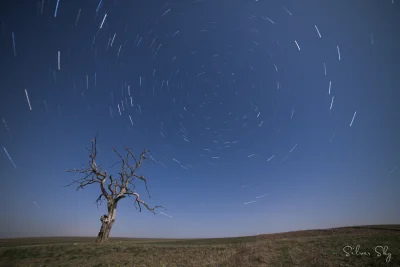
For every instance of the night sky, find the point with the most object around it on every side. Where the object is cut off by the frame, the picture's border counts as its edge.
(261, 116)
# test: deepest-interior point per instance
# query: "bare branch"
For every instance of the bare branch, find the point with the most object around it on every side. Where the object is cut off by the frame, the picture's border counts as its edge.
(137, 164)
(98, 201)
(138, 201)
(115, 164)
(122, 159)
(110, 184)
(145, 182)
(147, 207)
(93, 171)
(120, 186)
(83, 181)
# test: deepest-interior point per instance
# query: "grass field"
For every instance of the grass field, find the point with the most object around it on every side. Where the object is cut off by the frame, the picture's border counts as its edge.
(301, 248)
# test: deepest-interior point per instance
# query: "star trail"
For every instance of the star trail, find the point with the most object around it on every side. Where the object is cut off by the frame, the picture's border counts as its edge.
(259, 115)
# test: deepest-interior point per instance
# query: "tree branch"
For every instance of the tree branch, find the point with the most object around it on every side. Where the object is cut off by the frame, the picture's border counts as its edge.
(98, 201)
(93, 171)
(138, 201)
(145, 182)
(119, 186)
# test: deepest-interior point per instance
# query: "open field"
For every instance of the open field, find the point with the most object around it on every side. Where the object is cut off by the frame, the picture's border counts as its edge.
(301, 248)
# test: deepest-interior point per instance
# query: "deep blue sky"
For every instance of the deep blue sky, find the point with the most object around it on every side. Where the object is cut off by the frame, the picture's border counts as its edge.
(228, 77)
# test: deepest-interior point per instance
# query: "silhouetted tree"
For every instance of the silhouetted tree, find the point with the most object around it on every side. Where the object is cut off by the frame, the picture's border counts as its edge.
(113, 188)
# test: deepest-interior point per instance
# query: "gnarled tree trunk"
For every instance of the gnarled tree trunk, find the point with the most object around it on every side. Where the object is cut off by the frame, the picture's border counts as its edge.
(107, 222)
(118, 187)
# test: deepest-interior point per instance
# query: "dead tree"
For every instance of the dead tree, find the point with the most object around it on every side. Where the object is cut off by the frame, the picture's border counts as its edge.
(113, 188)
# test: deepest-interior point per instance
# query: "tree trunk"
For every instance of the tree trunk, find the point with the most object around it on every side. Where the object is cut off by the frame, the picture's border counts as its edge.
(107, 222)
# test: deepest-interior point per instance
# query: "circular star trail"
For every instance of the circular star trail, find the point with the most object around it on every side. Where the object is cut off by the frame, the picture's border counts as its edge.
(231, 98)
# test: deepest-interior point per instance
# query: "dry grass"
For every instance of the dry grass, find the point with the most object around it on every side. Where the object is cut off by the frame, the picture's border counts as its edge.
(302, 248)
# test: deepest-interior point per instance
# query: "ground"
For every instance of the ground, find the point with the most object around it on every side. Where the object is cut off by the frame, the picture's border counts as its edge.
(317, 248)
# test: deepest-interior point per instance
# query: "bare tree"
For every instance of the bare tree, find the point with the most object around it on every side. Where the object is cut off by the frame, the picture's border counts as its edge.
(113, 188)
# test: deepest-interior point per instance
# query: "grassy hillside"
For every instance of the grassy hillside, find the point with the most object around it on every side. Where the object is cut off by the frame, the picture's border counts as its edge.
(301, 248)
